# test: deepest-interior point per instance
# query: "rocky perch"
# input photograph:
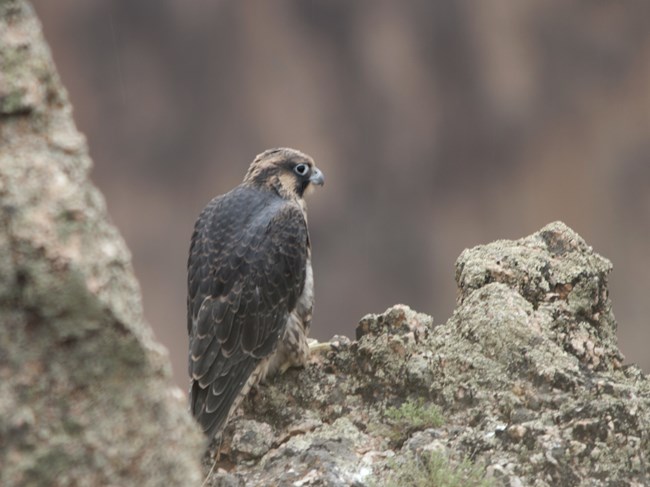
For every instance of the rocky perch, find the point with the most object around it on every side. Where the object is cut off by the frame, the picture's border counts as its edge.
(524, 385)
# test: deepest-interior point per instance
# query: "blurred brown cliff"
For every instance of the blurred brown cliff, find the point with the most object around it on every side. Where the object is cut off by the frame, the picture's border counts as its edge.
(439, 126)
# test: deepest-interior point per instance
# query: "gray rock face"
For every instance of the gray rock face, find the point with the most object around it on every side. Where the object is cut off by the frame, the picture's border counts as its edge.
(524, 384)
(85, 393)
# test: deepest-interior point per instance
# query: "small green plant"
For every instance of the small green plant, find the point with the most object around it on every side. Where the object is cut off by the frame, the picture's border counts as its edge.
(433, 469)
(414, 416)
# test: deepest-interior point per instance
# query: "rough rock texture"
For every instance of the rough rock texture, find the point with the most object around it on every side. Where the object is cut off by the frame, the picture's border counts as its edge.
(85, 393)
(526, 374)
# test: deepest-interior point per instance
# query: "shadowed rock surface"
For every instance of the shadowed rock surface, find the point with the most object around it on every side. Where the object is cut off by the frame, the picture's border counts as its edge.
(526, 374)
(85, 393)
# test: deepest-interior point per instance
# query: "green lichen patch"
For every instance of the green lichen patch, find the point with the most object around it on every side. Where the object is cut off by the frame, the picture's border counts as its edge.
(412, 415)
(434, 469)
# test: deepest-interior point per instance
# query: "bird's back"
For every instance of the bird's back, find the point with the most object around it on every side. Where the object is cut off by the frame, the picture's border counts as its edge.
(245, 272)
(224, 236)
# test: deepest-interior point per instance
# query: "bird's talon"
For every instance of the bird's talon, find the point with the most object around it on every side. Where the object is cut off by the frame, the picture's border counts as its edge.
(321, 348)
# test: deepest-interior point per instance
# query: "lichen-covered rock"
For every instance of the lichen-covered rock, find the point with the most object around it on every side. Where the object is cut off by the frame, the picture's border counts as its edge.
(525, 382)
(561, 277)
(85, 393)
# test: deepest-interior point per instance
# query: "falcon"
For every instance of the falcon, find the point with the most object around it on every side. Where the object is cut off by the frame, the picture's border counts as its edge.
(250, 285)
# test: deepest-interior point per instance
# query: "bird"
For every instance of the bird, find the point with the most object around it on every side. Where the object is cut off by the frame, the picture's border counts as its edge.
(250, 285)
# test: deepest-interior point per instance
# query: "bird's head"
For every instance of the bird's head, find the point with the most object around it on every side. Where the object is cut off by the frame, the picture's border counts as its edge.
(288, 171)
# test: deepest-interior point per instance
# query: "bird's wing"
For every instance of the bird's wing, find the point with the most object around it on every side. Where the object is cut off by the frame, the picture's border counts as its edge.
(245, 273)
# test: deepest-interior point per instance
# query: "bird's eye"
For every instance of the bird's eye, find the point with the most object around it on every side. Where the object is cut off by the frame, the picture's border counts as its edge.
(301, 169)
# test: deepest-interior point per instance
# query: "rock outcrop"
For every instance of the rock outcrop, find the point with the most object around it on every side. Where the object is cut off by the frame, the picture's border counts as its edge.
(85, 393)
(524, 385)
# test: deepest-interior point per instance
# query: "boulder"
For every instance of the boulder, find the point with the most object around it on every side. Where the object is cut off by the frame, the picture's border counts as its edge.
(523, 385)
(86, 396)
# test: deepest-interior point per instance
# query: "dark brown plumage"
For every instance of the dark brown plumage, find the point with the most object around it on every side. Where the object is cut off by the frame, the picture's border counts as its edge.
(250, 285)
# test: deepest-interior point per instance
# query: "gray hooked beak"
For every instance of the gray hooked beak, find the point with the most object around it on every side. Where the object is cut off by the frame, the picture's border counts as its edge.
(317, 177)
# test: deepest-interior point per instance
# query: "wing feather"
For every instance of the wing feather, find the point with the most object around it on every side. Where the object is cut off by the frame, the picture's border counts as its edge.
(246, 271)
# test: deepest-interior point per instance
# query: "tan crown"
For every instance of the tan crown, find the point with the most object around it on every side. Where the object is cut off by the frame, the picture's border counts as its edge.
(271, 169)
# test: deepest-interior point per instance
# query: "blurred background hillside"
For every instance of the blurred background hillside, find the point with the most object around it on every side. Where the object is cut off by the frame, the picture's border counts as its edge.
(439, 126)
